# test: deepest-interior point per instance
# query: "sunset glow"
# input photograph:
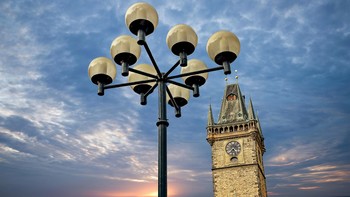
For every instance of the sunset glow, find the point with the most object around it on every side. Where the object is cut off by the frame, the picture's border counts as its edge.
(145, 191)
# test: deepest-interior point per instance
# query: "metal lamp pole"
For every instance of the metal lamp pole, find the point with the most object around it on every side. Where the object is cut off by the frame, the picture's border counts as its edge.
(141, 18)
(162, 140)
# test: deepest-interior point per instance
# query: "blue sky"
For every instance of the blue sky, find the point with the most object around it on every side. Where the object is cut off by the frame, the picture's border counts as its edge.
(58, 138)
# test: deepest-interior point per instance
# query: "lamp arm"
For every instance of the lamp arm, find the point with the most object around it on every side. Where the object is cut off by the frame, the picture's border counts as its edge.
(180, 84)
(196, 72)
(171, 69)
(151, 90)
(152, 59)
(177, 108)
(129, 83)
(144, 95)
(142, 73)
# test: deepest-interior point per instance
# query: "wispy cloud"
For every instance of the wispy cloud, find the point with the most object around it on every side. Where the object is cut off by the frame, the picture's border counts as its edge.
(324, 174)
(309, 188)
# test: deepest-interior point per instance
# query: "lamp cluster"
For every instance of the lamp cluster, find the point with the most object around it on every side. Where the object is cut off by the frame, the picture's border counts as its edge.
(141, 18)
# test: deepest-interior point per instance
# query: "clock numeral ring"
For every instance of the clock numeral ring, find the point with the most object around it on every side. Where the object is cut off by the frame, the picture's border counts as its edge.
(233, 148)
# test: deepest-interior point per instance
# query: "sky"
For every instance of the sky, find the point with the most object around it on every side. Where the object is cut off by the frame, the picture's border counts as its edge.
(59, 138)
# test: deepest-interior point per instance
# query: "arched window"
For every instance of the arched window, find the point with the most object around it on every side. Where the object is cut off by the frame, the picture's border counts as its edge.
(231, 97)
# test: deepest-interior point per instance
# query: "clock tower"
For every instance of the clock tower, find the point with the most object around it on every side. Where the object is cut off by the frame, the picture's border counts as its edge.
(237, 147)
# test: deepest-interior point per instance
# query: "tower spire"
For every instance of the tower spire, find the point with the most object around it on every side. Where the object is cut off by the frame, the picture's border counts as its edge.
(241, 103)
(233, 105)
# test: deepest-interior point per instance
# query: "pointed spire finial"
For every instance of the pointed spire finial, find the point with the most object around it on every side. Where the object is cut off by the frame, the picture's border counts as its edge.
(236, 71)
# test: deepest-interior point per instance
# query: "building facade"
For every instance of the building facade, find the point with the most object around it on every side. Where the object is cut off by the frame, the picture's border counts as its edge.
(237, 147)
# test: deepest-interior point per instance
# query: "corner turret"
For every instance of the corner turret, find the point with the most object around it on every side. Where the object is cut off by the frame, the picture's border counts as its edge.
(251, 113)
(210, 117)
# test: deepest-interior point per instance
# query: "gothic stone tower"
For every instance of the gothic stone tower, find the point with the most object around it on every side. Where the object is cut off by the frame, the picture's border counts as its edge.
(237, 146)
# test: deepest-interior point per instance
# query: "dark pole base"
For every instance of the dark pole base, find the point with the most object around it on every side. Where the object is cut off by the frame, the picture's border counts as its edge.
(162, 140)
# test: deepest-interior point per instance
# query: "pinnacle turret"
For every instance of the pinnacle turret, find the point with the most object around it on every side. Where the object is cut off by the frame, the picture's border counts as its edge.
(251, 112)
(210, 117)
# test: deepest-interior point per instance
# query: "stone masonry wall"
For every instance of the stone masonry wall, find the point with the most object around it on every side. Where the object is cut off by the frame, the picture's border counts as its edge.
(236, 182)
(240, 177)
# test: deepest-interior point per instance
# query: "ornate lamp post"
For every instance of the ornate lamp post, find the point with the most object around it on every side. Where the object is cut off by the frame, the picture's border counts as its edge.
(141, 18)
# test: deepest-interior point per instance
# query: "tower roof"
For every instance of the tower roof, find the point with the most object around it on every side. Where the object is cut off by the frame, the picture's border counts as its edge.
(233, 105)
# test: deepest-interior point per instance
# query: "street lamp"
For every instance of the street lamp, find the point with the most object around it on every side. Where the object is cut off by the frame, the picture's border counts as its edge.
(141, 18)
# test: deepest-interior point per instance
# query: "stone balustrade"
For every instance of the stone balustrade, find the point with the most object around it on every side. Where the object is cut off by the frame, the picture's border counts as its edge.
(236, 127)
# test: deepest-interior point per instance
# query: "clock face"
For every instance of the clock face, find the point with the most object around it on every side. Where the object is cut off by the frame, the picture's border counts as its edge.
(233, 148)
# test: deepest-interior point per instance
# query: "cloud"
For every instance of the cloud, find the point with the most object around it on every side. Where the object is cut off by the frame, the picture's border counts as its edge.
(324, 173)
(12, 152)
(298, 152)
(188, 175)
(309, 188)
